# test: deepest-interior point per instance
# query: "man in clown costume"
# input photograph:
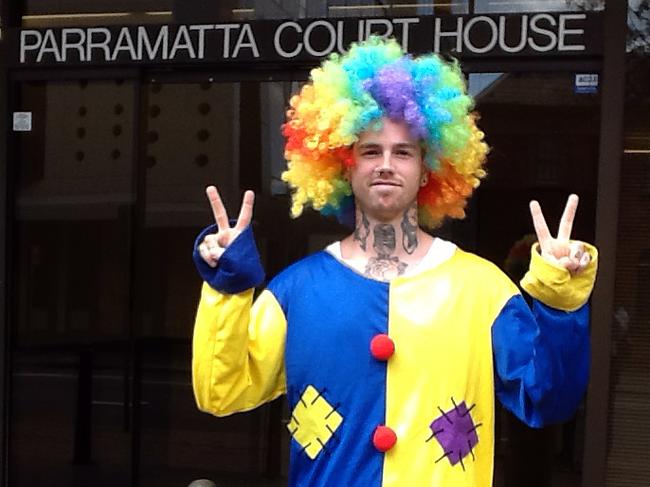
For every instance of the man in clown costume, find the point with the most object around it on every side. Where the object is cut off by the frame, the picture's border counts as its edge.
(391, 343)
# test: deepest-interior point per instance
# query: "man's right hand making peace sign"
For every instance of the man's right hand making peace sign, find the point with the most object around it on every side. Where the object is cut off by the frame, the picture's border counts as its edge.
(214, 245)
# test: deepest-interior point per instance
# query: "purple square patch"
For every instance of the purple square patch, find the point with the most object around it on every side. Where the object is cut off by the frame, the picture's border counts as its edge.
(456, 432)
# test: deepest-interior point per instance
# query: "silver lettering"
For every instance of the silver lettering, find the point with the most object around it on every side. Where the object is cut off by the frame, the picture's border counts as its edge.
(124, 43)
(523, 32)
(339, 37)
(49, 46)
(161, 43)
(226, 37)
(493, 40)
(405, 29)
(24, 46)
(182, 41)
(563, 32)
(66, 43)
(388, 27)
(438, 34)
(276, 39)
(103, 45)
(201, 47)
(545, 32)
(250, 43)
(332, 41)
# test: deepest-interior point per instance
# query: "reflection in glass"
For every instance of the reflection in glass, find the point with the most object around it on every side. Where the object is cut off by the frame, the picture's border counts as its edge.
(631, 320)
(638, 26)
(49, 13)
(226, 134)
(544, 145)
(404, 8)
(106, 290)
(69, 400)
(505, 6)
(45, 13)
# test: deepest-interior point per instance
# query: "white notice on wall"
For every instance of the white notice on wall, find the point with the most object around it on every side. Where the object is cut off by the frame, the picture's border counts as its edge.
(22, 121)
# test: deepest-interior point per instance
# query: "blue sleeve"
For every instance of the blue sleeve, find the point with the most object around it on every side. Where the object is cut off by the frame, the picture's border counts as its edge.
(541, 359)
(239, 267)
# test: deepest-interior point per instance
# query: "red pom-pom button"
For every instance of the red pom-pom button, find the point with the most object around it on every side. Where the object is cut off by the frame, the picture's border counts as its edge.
(384, 438)
(382, 347)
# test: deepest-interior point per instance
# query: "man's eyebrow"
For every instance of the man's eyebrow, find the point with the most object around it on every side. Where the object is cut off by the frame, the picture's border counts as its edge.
(399, 145)
(407, 145)
(365, 145)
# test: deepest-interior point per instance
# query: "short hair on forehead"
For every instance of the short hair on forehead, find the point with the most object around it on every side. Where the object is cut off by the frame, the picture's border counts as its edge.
(351, 93)
(372, 136)
(376, 143)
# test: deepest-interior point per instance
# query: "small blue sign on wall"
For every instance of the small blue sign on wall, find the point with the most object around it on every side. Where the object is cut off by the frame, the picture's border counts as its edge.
(586, 83)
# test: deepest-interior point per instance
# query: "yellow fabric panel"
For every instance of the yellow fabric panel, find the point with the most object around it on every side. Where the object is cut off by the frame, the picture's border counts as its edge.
(440, 321)
(237, 351)
(313, 422)
(554, 286)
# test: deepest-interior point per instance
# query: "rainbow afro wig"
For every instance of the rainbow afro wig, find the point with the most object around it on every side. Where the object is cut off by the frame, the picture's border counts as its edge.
(351, 93)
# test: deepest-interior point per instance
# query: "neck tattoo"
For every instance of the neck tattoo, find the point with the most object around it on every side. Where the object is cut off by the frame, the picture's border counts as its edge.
(362, 230)
(410, 230)
(384, 265)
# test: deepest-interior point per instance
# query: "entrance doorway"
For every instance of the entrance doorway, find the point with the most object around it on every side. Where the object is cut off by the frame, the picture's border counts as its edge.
(108, 200)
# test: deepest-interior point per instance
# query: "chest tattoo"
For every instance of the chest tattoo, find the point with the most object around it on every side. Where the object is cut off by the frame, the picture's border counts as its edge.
(384, 265)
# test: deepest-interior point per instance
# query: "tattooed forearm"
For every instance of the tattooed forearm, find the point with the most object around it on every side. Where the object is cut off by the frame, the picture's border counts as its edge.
(362, 230)
(410, 230)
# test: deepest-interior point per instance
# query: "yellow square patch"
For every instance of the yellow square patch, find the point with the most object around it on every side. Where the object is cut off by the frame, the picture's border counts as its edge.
(313, 421)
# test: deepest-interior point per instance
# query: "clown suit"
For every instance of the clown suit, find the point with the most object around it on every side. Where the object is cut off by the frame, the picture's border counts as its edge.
(389, 382)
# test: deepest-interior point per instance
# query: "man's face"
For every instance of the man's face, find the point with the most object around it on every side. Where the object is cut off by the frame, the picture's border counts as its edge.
(387, 172)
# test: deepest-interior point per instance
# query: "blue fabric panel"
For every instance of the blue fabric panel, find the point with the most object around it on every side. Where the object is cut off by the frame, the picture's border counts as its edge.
(541, 360)
(347, 376)
(239, 267)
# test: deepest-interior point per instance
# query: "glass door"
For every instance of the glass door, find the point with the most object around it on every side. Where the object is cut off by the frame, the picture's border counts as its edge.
(109, 193)
(70, 357)
(198, 133)
(544, 139)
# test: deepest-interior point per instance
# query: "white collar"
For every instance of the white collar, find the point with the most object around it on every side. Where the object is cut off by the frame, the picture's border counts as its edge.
(439, 251)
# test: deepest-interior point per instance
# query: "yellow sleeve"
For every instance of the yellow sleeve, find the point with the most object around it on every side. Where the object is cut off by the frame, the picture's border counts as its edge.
(555, 286)
(237, 351)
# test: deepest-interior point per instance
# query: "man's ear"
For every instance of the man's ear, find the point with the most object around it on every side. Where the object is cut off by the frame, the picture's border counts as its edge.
(424, 173)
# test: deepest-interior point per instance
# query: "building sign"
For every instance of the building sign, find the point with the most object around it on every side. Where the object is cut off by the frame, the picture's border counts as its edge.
(586, 83)
(309, 40)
